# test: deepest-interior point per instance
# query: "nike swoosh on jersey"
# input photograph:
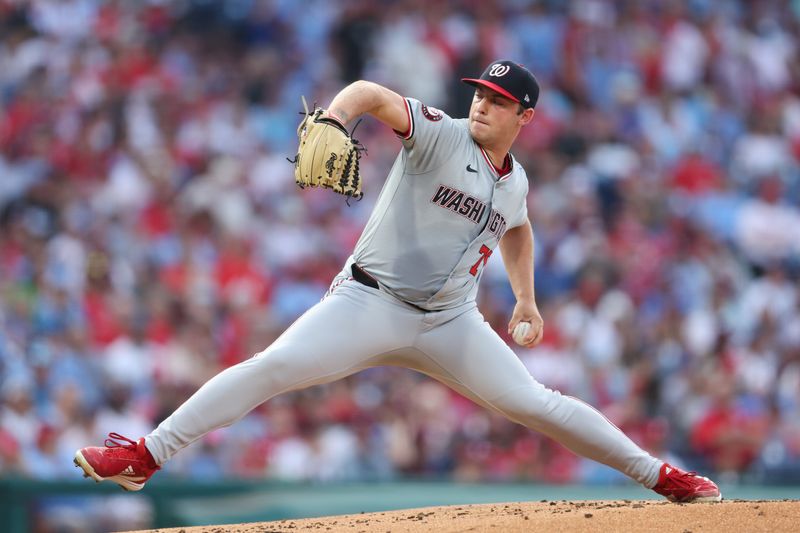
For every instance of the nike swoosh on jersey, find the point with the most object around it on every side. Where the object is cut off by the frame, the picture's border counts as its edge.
(470, 169)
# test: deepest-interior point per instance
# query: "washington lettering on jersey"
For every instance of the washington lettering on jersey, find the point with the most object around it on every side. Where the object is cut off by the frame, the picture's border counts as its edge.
(496, 224)
(459, 202)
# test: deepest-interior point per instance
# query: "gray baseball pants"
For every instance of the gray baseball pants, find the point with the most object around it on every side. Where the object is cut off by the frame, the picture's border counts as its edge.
(358, 327)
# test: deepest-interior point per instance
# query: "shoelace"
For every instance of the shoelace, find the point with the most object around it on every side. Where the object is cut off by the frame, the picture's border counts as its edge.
(683, 479)
(111, 442)
(688, 474)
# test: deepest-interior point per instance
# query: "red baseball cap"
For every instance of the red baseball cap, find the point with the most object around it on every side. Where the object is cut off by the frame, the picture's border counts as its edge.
(510, 79)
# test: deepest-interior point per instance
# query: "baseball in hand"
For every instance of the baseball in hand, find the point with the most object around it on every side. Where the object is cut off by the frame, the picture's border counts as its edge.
(520, 331)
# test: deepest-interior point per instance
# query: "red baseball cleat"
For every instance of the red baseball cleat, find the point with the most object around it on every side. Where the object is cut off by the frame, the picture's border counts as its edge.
(685, 487)
(128, 465)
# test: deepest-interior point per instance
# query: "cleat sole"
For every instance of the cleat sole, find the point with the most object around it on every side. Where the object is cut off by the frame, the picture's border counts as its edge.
(88, 471)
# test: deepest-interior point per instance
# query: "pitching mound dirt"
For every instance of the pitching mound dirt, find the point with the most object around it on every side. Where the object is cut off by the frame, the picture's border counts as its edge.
(589, 516)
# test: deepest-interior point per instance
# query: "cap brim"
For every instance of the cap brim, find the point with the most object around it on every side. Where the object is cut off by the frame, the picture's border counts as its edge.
(489, 85)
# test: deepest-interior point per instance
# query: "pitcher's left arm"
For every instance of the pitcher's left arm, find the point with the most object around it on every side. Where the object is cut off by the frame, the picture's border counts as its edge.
(517, 249)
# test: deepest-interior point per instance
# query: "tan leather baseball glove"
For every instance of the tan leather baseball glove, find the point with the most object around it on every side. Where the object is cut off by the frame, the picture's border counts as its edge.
(327, 155)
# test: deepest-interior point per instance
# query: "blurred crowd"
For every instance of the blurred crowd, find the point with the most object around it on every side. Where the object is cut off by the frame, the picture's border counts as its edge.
(151, 233)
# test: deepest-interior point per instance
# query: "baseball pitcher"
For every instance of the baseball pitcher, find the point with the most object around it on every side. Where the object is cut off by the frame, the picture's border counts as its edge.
(407, 294)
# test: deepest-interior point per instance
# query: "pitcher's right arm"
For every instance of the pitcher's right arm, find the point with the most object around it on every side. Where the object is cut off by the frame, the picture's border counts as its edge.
(367, 97)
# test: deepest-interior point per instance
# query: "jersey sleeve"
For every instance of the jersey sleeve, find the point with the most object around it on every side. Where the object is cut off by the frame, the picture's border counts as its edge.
(431, 138)
(521, 213)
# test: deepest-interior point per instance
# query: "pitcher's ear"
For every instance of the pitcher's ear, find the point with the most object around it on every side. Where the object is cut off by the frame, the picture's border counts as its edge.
(526, 116)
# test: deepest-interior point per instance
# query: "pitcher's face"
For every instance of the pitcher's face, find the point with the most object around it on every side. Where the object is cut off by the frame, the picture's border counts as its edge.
(494, 119)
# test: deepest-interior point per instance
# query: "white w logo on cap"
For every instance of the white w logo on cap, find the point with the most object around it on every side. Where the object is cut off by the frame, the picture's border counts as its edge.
(499, 70)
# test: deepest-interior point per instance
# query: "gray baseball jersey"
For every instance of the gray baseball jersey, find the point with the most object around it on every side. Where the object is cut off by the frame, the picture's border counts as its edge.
(441, 213)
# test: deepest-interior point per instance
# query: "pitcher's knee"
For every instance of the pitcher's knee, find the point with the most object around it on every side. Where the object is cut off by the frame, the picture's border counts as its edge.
(276, 368)
(530, 406)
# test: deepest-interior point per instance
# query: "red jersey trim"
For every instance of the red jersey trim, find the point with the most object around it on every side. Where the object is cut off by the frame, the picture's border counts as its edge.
(406, 135)
(501, 173)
